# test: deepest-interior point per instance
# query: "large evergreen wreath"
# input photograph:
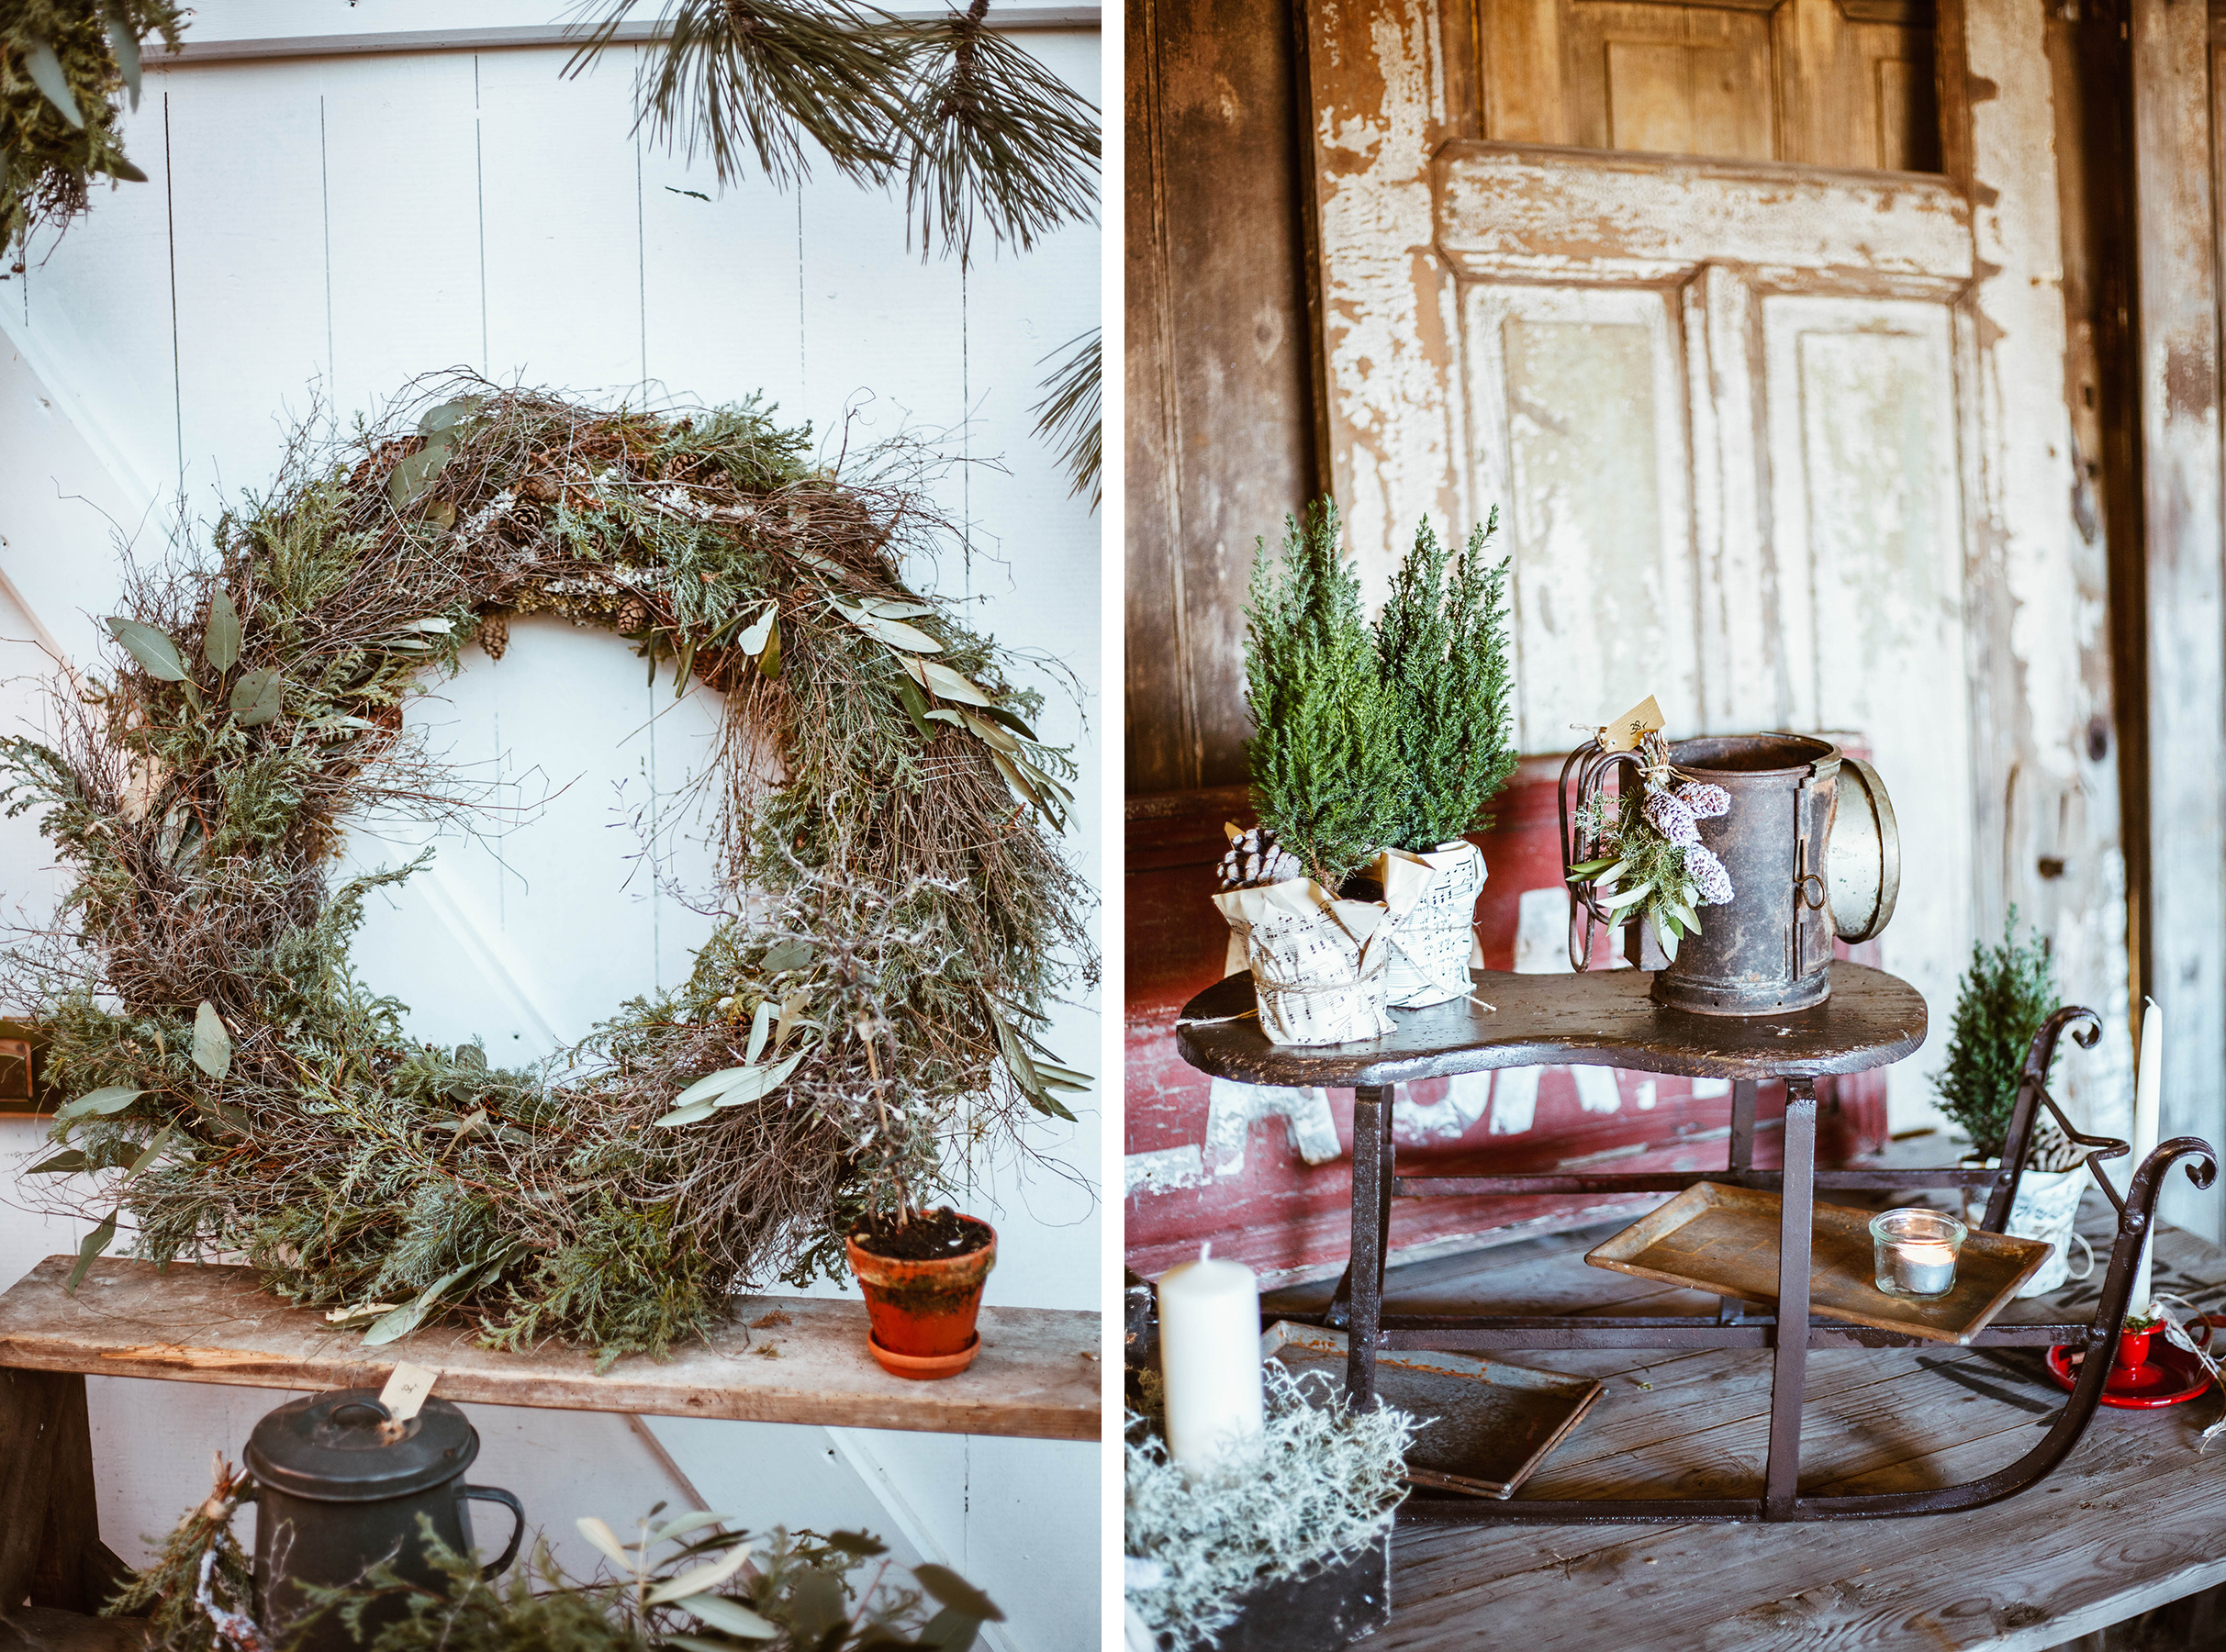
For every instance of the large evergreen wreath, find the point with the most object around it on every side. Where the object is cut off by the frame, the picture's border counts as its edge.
(898, 916)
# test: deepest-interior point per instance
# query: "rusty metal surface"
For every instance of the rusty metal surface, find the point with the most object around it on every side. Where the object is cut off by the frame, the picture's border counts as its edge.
(1600, 1019)
(1487, 1423)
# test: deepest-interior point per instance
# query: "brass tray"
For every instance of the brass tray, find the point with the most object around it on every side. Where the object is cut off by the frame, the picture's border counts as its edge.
(1725, 1240)
(1486, 1424)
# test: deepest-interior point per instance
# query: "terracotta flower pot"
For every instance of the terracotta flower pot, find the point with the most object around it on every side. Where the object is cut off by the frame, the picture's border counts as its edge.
(922, 1311)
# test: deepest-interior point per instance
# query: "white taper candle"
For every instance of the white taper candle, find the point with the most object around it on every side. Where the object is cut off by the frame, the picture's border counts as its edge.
(2147, 1104)
(1209, 1359)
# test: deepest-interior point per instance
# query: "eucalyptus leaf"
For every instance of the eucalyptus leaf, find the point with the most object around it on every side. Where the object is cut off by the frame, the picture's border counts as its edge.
(157, 654)
(703, 1089)
(700, 1579)
(95, 1242)
(407, 1318)
(754, 635)
(1012, 722)
(990, 732)
(258, 698)
(1623, 898)
(1668, 940)
(212, 1044)
(448, 414)
(599, 1533)
(116, 166)
(915, 705)
(45, 70)
(946, 683)
(894, 632)
(949, 1631)
(124, 44)
(786, 956)
(694, 1113)
(890, 607)
(62, 1164)
(221, 637)
(761, 1026)
(769, 661)
(146, 1154)
(759, 1081)
(730, 1615)
(112, 1098)
(680, 1526)
(434, 623)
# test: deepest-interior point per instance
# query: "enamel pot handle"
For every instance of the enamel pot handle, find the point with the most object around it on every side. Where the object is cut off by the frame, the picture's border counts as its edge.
(495, 1494)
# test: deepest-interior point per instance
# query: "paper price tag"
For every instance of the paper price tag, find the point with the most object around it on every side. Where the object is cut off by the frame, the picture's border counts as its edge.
(406, 1389)
(1634, 725)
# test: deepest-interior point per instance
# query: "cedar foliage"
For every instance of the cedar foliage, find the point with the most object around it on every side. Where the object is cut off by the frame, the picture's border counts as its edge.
(1442, 642)
(2006, 993)
(64, 65)
(1327, 777)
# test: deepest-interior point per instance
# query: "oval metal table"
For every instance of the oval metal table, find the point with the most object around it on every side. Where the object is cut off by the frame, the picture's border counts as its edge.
(1605, 1018)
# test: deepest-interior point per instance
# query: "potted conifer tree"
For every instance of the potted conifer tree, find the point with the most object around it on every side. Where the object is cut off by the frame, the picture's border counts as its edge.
(1441, 644)
(2005, 996)
(1329, 782)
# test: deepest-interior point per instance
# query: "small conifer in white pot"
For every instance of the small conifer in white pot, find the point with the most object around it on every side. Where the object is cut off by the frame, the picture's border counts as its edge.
(1327, 780)
(1441, 642)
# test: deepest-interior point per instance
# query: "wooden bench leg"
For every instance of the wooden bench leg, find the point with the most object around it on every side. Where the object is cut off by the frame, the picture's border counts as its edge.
(51, 1551)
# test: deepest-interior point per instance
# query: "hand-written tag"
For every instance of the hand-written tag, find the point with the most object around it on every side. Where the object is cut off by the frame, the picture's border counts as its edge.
(1626, 731)
(405, 1392)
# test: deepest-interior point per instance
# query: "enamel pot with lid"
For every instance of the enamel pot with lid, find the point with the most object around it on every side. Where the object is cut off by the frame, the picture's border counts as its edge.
(340, 1489)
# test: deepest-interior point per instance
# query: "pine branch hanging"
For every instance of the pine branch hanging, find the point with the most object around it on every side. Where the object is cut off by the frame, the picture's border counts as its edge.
(1069, 414)
(761, 77)
(994, 135)
(64, 66)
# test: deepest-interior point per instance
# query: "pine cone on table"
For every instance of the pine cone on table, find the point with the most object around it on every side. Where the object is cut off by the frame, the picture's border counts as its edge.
(1254, 860)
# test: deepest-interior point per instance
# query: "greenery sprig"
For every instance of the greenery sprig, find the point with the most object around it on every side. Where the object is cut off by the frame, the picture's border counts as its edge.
(1648, 859)
(1441, 644)
(2008, 992)
(1327, 774)
(65, 67)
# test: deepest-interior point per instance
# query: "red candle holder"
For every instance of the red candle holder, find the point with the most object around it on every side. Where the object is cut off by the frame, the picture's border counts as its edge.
(2147, 1370)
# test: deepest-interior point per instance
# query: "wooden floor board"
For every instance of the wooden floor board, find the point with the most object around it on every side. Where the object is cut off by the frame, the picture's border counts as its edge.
(2130, 1521)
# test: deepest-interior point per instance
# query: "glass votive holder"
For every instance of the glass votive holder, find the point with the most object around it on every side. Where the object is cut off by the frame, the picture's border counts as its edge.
(1914, 1251)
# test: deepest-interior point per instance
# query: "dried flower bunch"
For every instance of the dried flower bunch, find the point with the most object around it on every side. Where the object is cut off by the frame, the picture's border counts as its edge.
(897, 913)
(1649, 861)
(65, 65)
(1322, 1484)
(686, 1582)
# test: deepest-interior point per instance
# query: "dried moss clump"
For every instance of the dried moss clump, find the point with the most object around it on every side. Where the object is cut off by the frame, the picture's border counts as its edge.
(64, 66)
(1324, 1484)
(898, 915)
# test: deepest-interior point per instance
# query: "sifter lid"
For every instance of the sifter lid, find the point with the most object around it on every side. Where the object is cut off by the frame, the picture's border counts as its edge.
(327, 1448)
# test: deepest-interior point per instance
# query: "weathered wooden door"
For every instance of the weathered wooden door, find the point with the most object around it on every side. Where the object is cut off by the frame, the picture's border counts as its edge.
(1746, 316)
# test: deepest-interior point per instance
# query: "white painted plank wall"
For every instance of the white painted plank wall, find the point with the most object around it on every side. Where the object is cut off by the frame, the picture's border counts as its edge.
(324, 229)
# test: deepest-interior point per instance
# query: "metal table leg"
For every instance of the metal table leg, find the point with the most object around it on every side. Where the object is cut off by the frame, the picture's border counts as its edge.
(1731, 1311)
(1372, 1236)
(1789, 1373)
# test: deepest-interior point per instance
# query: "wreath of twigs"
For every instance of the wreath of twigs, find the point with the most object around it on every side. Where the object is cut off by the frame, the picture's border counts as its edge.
(897, 913)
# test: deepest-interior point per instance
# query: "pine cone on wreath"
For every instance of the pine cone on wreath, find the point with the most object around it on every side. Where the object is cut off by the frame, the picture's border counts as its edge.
(632, 618)
(1254, 860)
(494, 634)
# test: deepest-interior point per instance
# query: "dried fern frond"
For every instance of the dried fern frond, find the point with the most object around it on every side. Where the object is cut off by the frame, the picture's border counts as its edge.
(1069, 414)
(995, 135)
(736, 77)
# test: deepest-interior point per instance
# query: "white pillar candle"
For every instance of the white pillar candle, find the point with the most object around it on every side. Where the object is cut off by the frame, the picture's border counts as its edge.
(2147, 1103)
(1209, 1359)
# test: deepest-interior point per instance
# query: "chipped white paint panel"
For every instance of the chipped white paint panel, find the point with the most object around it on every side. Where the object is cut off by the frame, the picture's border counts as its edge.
(1579, 417)
(1514, 1100)
(1597, 1091)
(1448, 1119)
(1233, 1108)
(1647, 1092)
(1707, 1089)
(1511, 210)
(1388, 307)
(1868, 513)
(1541, 931)
(1163, 1170)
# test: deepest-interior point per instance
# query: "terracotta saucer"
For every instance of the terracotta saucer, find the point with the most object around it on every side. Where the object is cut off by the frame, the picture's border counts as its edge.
(2173, 1376)
(925, 1368)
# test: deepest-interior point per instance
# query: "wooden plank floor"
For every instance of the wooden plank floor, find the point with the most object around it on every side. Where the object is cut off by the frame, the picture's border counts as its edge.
(2130, 1521)
(780, 1359)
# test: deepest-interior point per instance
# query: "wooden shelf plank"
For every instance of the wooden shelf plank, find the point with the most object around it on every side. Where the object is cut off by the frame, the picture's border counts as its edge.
(1038, 1375)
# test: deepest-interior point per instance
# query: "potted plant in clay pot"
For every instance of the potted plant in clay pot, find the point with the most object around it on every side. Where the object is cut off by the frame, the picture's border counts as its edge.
(1441, 644)
(922, 1273)
(1327, 779)
(2005, 996)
